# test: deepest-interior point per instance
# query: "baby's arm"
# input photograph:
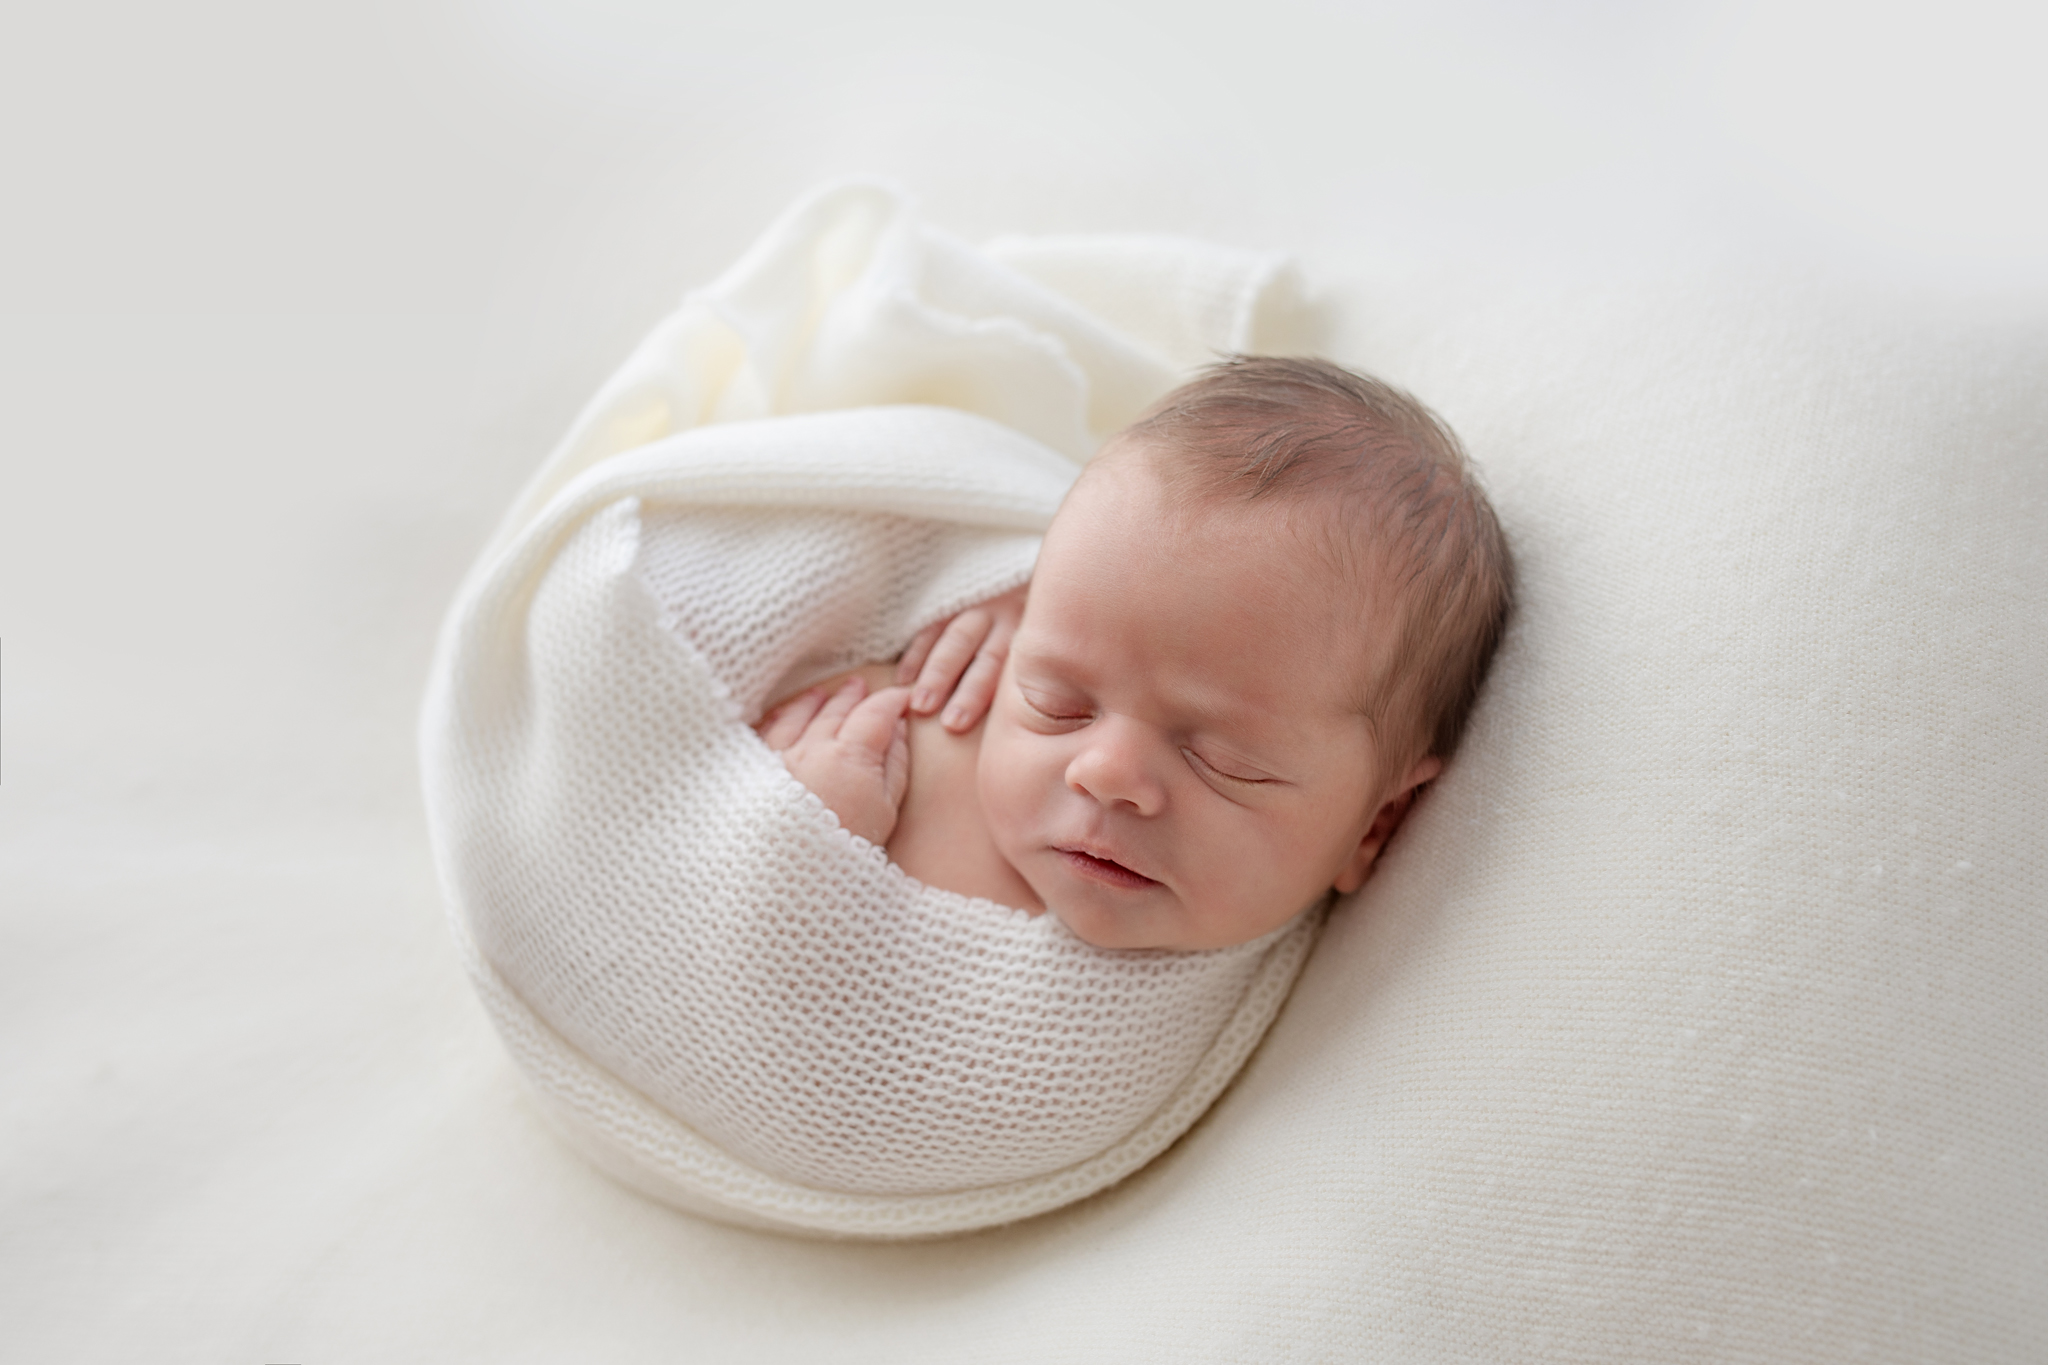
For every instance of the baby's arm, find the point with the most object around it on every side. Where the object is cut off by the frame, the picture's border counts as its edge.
(850, 748)
(955, 663)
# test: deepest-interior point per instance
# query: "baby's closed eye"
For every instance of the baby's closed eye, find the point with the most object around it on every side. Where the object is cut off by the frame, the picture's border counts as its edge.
(1054, 706)
(1214, 768)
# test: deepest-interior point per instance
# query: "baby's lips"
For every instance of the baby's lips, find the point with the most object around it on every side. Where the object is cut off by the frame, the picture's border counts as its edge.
(1104, 868)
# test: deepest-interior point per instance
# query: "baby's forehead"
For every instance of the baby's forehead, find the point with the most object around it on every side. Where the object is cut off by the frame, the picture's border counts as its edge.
(1254, 559)
(1330, 539)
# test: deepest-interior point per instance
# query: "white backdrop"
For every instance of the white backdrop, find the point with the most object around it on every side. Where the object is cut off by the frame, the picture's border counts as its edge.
(291, 302)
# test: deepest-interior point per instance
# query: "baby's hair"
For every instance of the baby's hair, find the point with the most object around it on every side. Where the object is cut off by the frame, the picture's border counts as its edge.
(1263, 426)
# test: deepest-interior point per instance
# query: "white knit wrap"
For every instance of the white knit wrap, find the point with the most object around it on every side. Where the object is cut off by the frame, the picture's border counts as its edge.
(720, 995)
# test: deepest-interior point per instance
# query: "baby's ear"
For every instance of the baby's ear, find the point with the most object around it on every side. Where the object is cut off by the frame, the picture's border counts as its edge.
(1385, 821)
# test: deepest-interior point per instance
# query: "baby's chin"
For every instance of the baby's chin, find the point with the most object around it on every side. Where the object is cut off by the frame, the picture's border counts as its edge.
(1166, 928)
(1113, 931)
(1106, 933)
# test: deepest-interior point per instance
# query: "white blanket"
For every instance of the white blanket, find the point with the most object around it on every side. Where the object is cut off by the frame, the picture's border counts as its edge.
(1697, 1016)
(720, 995)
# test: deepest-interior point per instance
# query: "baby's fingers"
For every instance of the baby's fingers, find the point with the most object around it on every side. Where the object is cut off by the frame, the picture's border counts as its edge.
(977, 687)
(874, 724)
(919, 649)
(785, 725)
(896, 764)
(976, 690)
(832, 715)
(948, 659)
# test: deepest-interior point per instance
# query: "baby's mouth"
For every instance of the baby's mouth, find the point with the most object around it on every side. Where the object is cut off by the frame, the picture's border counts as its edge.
(1104, 870)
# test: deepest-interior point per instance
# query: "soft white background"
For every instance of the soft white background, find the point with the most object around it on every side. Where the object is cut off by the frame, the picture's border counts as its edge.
(293, 297)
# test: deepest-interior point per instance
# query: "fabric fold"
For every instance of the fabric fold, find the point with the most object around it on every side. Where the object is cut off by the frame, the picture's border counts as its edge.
(719, 994)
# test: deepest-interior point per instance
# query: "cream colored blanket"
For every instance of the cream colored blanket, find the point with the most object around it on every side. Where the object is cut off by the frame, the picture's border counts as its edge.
(720, 995)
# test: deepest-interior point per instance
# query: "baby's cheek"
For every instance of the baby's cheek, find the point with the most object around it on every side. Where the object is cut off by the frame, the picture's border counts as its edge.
(1262, 876)
(1002, 780)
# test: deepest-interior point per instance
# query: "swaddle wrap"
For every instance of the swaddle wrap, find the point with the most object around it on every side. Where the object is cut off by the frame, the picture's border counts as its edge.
(720, 995)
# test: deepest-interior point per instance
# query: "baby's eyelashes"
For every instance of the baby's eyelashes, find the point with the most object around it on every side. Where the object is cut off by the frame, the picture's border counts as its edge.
(1058, 709)
(1066, 713)
(1204, 765)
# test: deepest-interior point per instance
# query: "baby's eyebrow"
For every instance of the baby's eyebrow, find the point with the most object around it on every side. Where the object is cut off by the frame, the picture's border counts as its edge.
(1037, 671)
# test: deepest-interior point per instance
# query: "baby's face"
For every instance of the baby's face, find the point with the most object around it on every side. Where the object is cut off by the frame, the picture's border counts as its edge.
(1175, 757)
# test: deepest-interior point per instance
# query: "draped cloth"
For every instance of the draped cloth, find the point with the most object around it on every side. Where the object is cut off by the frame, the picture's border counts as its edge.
(720, 995)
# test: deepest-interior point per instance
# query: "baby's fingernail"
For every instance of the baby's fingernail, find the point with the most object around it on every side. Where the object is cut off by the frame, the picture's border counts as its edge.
(955, 715)
(922, 699)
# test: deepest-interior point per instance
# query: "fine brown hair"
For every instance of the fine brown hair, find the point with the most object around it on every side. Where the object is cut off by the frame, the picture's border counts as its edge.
(1407, 501)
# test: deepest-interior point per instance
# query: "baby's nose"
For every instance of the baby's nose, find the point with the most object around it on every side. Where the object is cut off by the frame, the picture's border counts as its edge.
(1117, 766)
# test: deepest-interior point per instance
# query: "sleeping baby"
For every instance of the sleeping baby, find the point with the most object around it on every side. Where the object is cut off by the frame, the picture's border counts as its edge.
(958, 938)
(1253, 634)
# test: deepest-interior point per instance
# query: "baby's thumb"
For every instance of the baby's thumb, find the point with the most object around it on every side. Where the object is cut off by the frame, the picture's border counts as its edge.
(896, 766)
(873, 724)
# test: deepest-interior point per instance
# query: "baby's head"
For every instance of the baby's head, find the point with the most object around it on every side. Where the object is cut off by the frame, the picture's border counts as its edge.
(1256, 627)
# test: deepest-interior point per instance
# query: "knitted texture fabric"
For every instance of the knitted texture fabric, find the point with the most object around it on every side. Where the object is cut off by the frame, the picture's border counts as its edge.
(721, 995)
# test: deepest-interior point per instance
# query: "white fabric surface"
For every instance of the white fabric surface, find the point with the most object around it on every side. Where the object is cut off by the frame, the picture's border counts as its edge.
(1699, 1014)
(723, 996)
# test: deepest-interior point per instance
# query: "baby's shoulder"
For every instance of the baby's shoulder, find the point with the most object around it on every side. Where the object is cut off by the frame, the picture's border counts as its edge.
(942, 837)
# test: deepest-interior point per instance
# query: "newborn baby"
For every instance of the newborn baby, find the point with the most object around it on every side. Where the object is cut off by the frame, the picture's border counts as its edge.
(1254, 632)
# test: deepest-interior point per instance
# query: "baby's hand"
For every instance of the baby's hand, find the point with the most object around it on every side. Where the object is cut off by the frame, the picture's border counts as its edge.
(854, 753)
(956, 663)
